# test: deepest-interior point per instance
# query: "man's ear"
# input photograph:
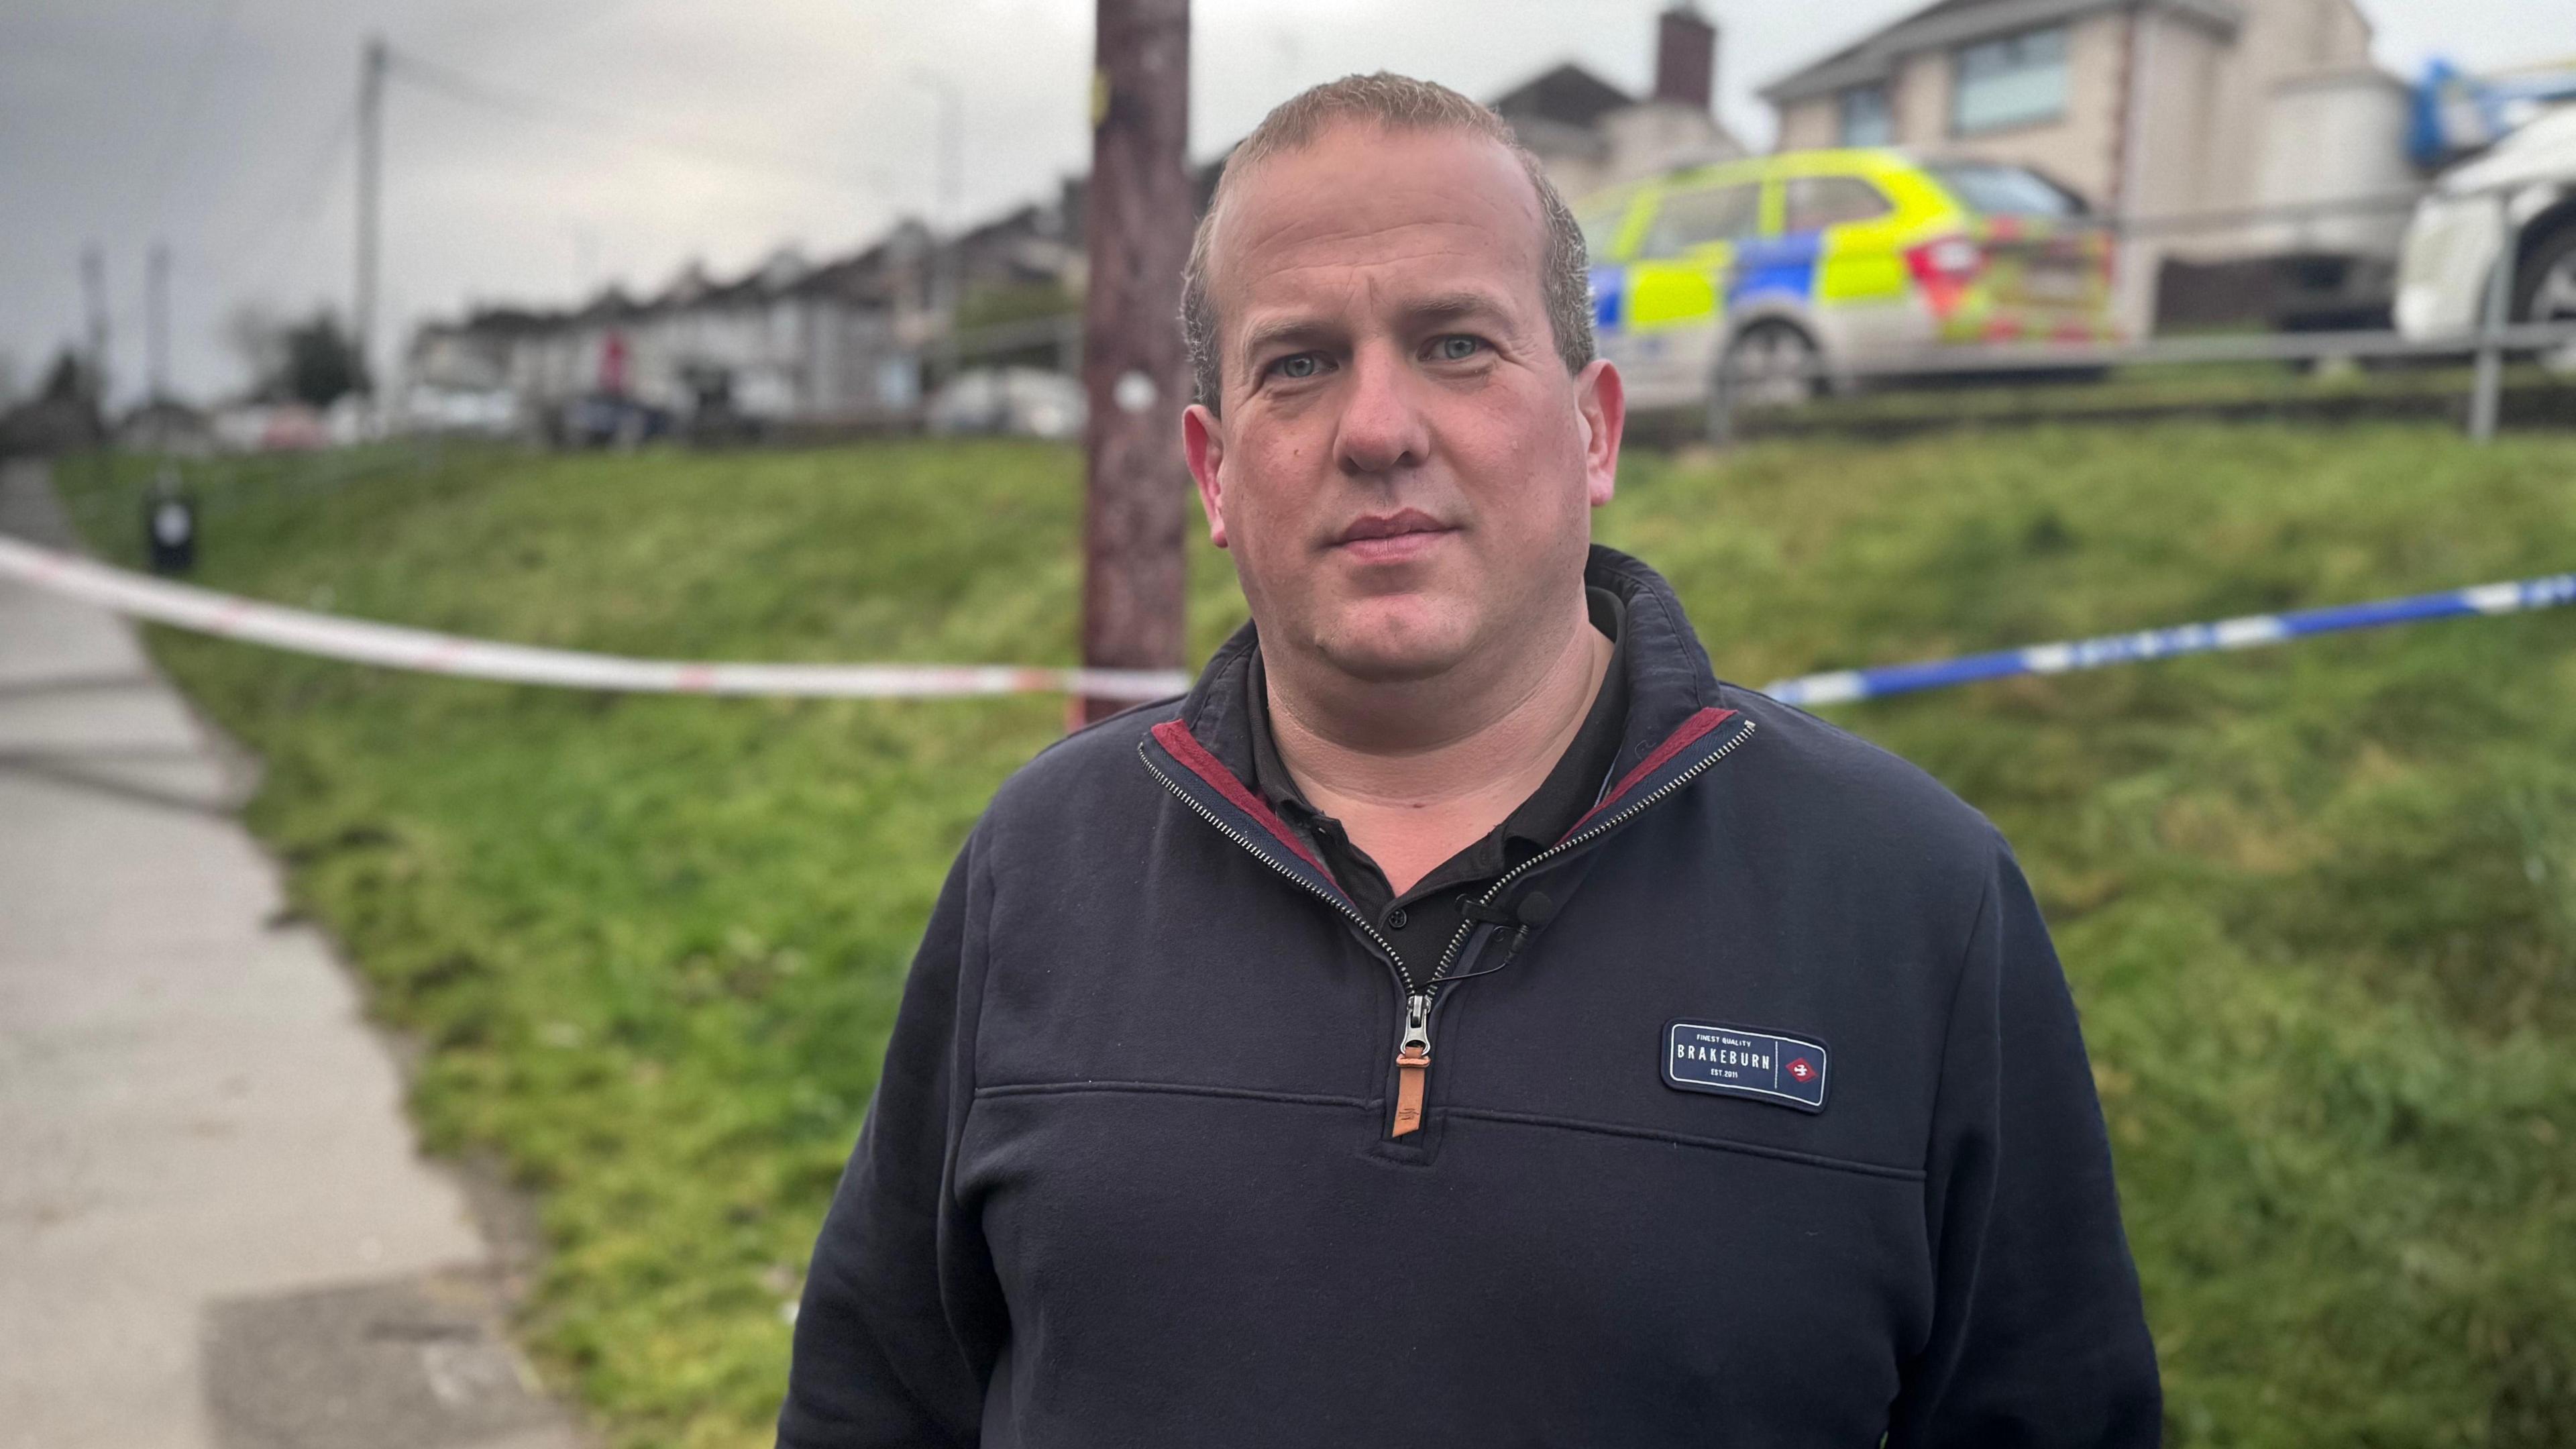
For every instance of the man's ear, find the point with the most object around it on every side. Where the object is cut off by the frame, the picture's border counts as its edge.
(1601, 402)
(1203, 441)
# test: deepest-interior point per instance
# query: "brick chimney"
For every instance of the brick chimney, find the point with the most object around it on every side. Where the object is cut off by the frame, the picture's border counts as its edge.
(1685, 57)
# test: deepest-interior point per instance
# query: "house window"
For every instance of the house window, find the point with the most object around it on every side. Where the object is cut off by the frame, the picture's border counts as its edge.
(1866, 119)
(1692, 219)
(2009, 82)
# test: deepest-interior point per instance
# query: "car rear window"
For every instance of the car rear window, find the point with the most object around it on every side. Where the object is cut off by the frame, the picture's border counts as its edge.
(1689, 219)
(1816, 202)
(1601, 228)
(1998, 190)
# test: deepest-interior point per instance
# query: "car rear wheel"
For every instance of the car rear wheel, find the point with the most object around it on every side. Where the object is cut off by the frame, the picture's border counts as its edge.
(2546, 289)
(1772, 365)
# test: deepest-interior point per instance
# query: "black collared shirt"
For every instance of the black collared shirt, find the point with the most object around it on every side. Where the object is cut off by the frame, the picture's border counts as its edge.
(1422, 921)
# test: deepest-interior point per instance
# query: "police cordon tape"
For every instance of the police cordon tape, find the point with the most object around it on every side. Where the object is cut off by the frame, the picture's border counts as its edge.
(2249, 632)
(231, 616)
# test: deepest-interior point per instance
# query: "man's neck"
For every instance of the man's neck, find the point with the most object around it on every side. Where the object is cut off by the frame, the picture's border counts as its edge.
(1417, 773)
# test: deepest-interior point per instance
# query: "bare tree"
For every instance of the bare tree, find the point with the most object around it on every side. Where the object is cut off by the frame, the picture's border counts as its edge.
(256, 334)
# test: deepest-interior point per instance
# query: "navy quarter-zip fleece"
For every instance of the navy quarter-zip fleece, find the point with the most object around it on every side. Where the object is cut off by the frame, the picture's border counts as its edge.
(1130, 1179)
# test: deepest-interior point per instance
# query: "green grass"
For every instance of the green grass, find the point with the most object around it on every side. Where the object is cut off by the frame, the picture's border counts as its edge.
(2318, 903)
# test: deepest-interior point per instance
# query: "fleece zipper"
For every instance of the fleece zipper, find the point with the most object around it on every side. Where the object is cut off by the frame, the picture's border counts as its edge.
(1413, 1043)
(1413, 1051)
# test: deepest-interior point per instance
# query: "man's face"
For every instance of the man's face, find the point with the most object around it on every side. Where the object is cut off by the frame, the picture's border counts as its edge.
(1403, 470)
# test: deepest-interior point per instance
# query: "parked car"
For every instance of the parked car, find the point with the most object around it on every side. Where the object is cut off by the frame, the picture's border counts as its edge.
(483, 412)
(2457, 234)
(290, 427)
(1794, 270)
(1027, 402)
(608, 420)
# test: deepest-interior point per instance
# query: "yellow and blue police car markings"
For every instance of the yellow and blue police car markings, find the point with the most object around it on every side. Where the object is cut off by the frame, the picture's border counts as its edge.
(1736, 1061)
(1607, 292)
(1775, 266)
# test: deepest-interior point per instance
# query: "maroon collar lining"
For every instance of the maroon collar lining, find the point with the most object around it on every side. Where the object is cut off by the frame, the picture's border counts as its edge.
(1185, 747)
(1680, 740)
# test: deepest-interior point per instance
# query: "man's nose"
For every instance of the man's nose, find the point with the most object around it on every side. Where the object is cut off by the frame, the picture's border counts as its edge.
(1382, 427)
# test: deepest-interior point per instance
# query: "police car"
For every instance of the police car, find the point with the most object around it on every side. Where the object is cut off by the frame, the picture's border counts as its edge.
(1798, 270)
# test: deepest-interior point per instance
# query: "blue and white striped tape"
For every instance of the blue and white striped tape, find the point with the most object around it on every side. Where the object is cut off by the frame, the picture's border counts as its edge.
(391, 646)
(366, 642)
(2250, 632)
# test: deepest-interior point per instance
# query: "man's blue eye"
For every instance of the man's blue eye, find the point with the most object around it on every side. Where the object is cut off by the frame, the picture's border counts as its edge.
(1301, 365)
(1457, 349)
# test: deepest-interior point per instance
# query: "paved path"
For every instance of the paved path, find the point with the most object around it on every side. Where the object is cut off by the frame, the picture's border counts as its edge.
(215, 1229)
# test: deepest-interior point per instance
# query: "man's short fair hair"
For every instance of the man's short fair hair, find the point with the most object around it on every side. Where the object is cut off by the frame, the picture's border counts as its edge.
(1393, 103)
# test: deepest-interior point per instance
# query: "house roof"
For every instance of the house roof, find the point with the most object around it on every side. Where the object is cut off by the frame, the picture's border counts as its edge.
(498, 321)
(612, 304)
(1555, 110)
(1945, 23)
(874, 275)
(1568, 95)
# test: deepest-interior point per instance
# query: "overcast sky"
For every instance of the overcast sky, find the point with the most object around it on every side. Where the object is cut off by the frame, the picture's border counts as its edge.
(678, 129)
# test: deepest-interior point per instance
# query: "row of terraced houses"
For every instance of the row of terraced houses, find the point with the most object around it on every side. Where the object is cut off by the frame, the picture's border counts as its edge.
(2159, 108)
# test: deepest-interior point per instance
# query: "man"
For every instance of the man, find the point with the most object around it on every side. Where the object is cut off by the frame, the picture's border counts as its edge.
(1462, 1019)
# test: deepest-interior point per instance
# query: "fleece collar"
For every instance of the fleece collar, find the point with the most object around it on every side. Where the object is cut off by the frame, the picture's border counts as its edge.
(1670, 682)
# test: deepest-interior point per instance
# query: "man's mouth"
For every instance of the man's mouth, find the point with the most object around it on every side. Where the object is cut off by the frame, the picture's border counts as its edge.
(1391, 537)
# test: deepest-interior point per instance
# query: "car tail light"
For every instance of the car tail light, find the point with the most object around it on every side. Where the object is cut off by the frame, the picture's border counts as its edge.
(1951, 259)
(1944, 270)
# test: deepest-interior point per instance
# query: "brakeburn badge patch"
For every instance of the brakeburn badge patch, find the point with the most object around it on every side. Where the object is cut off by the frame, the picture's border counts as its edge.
(1736, 1061)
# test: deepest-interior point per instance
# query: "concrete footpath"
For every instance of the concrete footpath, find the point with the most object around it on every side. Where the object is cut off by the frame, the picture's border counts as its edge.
(215, 1226)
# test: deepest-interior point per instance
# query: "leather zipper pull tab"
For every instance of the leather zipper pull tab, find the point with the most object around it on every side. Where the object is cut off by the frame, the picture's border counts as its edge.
(1412, 1064)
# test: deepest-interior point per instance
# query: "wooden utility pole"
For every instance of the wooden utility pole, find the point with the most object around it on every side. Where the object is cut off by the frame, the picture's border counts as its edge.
(1137, 216)
(93, 267)
(156, 322)
(371, 144)
(93, 271)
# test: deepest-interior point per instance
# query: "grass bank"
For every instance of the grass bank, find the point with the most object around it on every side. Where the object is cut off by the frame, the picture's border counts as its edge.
(2318, 903)
(2533, 396)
